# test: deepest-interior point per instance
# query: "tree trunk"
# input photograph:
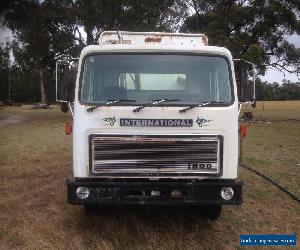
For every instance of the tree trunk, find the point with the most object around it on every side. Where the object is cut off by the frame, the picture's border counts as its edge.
(42, 87)
(137, 81)
(244, 81)
(89, 35)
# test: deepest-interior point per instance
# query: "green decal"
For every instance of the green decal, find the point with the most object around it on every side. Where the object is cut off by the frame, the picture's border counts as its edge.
(201, 122)
(110, 120)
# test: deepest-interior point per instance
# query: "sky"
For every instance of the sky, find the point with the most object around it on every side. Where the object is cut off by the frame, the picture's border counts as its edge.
(272, 75)
(5, 34)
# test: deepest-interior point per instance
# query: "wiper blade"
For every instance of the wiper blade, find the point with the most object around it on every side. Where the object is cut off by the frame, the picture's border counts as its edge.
(109, 103)
(202, 104)
(154, 103)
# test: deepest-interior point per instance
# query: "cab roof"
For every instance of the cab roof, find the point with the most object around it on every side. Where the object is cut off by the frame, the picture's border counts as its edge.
(152, 38)
(126, 41)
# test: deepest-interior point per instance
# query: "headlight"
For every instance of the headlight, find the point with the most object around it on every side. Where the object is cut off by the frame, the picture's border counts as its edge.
(82, 193)
(227, 193)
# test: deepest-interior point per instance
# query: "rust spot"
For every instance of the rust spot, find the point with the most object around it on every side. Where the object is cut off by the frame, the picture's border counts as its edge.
(152, 39)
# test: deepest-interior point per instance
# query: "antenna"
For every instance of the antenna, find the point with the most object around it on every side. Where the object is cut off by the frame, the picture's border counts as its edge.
(120, 36)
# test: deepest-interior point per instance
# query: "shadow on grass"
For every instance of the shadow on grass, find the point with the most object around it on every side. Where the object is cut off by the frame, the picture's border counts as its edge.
(136, 227)
(151, 217)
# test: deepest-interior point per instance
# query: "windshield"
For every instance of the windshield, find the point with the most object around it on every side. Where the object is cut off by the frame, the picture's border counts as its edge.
(145, 77)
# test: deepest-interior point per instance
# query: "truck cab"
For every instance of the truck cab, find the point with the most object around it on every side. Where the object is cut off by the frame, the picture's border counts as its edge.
(155, 121)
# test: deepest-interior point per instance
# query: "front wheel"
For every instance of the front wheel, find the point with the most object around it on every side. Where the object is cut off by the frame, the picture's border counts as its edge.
(90, 210)
(212, 212)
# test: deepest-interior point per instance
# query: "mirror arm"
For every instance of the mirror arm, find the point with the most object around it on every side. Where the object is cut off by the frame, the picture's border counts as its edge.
(254, 94)
(71, 109)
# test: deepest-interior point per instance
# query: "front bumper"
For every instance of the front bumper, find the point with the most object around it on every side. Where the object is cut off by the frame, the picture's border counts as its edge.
(206, 192)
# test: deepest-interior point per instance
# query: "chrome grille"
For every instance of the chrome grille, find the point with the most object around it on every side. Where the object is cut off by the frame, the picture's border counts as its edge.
(158, 155)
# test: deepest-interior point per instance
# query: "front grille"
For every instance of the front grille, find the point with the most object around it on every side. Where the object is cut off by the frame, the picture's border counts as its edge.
(155, 155)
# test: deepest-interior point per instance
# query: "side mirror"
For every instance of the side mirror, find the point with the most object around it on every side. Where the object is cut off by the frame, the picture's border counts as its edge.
(243, 84)
(66, 71)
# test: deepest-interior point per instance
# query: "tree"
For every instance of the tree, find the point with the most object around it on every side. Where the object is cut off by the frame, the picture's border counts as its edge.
(95, 16)
(273, 91)
(49, 29)
(255, 30)
(290, 91)
(40, 37)
(4, 65)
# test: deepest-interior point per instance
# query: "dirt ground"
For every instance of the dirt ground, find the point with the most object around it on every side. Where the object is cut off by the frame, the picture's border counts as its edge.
(36, 158)
(11, 119)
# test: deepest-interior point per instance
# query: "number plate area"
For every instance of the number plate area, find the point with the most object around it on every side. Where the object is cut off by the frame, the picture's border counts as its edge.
(155, 155)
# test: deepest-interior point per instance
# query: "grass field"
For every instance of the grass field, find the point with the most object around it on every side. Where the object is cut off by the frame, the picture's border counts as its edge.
(36, 158)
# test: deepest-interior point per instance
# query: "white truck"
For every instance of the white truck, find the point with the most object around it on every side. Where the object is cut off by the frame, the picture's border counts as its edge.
(155, 121)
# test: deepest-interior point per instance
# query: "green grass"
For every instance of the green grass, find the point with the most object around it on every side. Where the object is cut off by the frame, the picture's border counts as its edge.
(276, 110)
(36, 158)
(273, 146)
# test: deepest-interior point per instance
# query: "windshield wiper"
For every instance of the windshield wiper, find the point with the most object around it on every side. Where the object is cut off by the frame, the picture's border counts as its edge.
(202, 104)
(154, 103)
(109, 103)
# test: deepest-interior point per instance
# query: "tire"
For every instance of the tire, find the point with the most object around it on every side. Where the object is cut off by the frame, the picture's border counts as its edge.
(212, 212)
(90, 210)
